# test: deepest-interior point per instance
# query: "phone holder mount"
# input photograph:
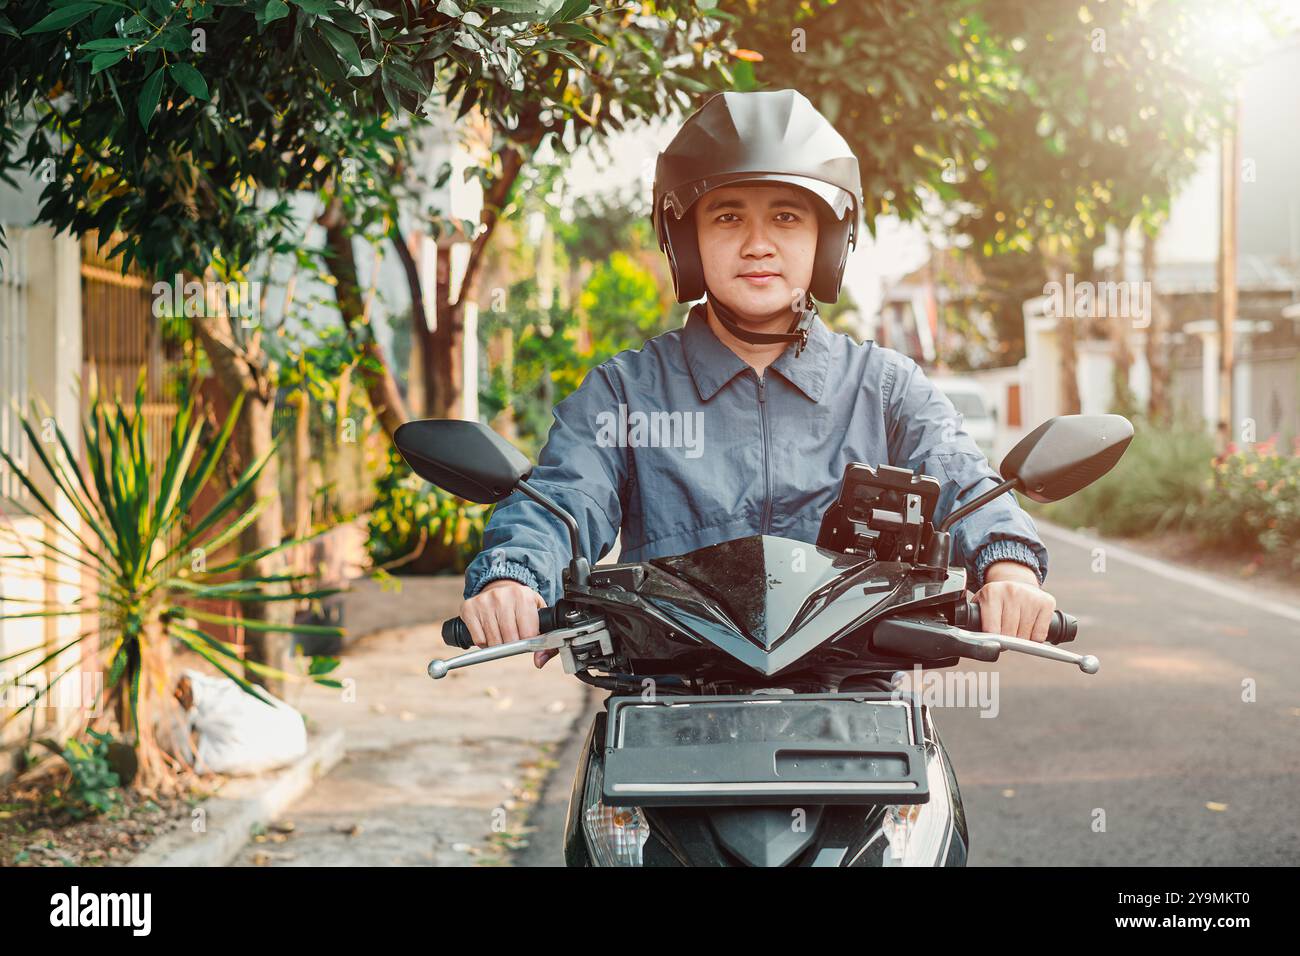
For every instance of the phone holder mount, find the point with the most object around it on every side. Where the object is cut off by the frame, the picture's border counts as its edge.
(887, 513)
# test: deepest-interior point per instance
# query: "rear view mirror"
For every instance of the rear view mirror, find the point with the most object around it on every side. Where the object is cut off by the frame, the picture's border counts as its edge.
(1067, 453)
(467, 459)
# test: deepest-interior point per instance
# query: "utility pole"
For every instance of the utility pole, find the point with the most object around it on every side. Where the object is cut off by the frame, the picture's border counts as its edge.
(1229, 178)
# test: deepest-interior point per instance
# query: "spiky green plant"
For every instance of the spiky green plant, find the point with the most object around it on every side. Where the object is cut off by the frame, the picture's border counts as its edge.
(151, 558)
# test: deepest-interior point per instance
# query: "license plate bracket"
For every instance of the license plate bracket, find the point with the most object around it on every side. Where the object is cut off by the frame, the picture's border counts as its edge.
(790, 749)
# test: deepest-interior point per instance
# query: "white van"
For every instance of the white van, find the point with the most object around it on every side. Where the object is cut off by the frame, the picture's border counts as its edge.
(974, 404)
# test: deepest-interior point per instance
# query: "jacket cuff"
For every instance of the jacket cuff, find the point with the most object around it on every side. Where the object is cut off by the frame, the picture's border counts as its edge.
(1006, 549)
(504, 570)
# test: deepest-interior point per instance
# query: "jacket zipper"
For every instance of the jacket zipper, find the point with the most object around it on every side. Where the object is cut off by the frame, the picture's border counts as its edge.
(767, 460)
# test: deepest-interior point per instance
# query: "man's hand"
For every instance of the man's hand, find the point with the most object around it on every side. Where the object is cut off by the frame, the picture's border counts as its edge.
(504, 611)
(1012, 602)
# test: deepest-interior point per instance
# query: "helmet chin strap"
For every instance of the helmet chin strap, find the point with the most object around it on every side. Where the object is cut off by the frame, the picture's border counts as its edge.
(797, 333)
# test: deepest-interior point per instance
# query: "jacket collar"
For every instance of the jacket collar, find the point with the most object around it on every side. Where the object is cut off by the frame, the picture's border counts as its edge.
(713, 365)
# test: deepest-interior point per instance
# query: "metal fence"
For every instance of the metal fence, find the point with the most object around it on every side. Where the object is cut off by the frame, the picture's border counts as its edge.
(120, 336)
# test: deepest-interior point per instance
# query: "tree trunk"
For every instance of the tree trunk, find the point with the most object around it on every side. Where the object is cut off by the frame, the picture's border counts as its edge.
(381, 388)
(444, 381)
(157, 720)
(253, 441)
(444, 347)
(301, 470)
(1156, 353)
(241, 368)
(418, 374)
(1065, 336)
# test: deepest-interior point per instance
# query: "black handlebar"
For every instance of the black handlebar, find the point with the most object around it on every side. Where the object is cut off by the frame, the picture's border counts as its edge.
(456, 634)
(1063, 629)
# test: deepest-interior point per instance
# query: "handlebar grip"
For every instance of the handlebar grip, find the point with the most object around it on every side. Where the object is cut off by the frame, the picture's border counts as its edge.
(455, 633)
(1063, 629)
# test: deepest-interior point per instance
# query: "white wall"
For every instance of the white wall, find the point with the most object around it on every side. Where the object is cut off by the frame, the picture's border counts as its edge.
(45, 270)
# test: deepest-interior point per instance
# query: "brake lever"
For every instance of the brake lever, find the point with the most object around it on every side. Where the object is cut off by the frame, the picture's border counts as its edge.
(566, 640)
(936, 640)
(1085, 662)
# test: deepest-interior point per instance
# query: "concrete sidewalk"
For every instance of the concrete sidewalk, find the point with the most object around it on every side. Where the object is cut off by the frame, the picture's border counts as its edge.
(437, 773)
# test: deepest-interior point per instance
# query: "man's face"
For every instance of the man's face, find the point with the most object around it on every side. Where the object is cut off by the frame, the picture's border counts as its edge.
(757, 244)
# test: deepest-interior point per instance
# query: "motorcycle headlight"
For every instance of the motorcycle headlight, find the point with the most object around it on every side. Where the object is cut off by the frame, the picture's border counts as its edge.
(615, 835)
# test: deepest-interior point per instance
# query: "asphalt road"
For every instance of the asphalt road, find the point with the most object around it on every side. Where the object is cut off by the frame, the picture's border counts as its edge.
(1155, 760)
(1160, 741)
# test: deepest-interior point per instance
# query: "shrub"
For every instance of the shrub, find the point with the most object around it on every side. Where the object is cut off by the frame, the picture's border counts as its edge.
(95, 785)
(1252, 501)
(157, 558)
(415, 527)
(1170, 480)
(1158, 485)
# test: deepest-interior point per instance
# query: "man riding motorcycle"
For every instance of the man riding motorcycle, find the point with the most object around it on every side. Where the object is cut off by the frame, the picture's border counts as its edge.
(692, 440)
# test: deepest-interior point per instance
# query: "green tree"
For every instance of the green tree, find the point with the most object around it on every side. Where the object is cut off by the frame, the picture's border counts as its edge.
(1110, 108)
(621, 304)
(1038, 123)
(178, 129)
(631, 63)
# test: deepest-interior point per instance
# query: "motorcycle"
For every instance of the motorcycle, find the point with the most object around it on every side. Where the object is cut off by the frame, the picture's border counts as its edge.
(755, 714)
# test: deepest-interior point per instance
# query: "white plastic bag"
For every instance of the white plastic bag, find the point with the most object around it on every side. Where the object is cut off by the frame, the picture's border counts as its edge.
(238, 734)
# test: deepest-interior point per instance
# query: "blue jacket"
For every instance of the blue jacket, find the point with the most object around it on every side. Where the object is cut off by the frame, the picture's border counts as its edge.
(681, 445)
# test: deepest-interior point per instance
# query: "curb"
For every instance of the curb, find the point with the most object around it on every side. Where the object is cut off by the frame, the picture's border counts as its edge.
(241, 805)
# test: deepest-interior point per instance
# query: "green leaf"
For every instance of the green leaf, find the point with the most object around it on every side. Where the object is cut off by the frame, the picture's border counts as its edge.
(347, 19)
(688, 82)
(578, 32)
(107, 43)
(343, 43)
(319, 56)
(569, 10)
(190, 80)
(102, 61)
(390, 94)
(252, 624)
(322, 665)
(275, 10)
(530, 7)
(505, 18)
(571, 56)
(63, 18)
(150, 93)
(405, 76)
